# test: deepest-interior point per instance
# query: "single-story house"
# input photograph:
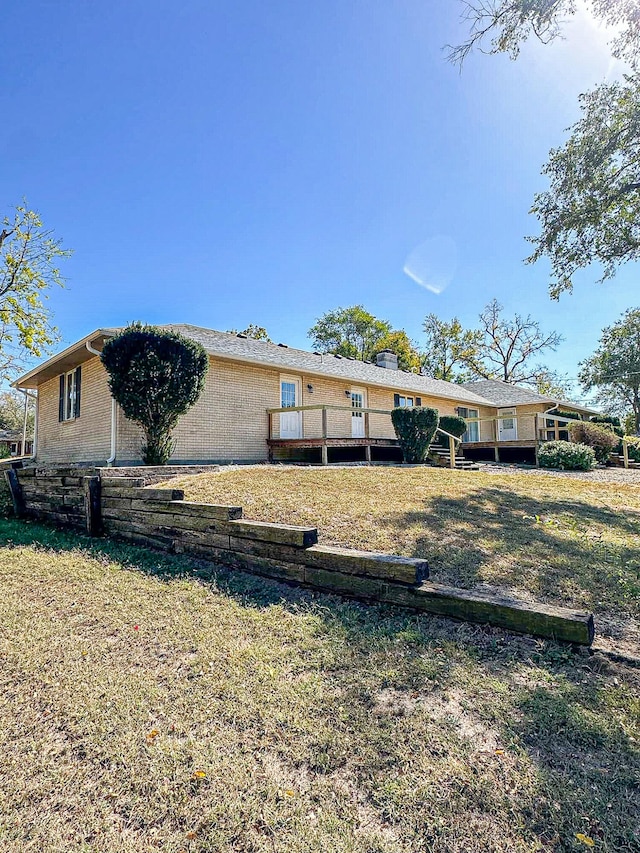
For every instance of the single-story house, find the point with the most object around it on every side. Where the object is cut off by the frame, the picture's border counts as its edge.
(264, 401)
(11, 443)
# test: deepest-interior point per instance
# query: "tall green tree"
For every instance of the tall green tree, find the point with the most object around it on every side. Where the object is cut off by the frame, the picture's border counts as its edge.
(399, 342)
(591, 211)
(355, 333)
(29, 257)
(12, 405)
(613, 371)
(352, 332)
(448, 349)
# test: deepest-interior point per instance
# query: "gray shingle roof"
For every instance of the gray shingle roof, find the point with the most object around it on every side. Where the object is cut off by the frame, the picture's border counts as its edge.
(503, 394)
(225, 345)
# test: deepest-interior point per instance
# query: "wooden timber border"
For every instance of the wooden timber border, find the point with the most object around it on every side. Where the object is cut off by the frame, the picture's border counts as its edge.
(108, 502)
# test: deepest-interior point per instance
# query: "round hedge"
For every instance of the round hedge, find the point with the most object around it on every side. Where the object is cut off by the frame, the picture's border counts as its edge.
(566, 456)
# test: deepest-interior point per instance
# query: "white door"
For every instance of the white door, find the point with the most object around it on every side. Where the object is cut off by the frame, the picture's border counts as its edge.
(357, 417)
(507, 425)
(290, 422)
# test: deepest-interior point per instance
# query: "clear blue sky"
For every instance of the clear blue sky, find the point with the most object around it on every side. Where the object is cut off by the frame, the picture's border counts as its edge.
(222, 163)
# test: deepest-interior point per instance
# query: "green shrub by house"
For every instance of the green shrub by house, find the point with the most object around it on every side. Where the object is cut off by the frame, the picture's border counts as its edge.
(155, 376)
(415, 429)
(600, 438)
(633, 447)
(566, 456)
(452, 424)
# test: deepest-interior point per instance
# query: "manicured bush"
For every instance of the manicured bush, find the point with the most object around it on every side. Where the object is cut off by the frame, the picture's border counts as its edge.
(597, 436)
(610, 422)
(452, 424)
(566, 456)
(155, 376)
(570, 416)
(415, 429)
(633, 447)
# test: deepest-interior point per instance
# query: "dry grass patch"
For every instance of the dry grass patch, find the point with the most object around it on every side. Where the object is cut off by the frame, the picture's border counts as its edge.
(566, 541)
(143, 709)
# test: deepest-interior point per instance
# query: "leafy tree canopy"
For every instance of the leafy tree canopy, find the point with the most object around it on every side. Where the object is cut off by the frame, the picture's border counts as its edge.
(355, 333)
(12, 412)
(502, 26)
(257, 333)
(591, 211)
(28, 269)
(449, 348)
(613, 371)
(155, 376)
(500, 348)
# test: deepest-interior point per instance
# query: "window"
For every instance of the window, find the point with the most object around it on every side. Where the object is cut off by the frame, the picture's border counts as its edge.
(403, 402)
(69, 399)
(473, 428)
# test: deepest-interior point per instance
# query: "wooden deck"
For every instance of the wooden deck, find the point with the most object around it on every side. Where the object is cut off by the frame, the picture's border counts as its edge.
(325, 443)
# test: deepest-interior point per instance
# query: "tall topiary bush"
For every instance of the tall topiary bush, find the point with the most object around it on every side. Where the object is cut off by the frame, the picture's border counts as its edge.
(452, 424)
(601, 438)
(415, 429)
(155, 376)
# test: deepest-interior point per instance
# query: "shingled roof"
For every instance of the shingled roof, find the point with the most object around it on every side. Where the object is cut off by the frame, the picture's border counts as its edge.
(237, 347)
(502, 394)
(280, 356)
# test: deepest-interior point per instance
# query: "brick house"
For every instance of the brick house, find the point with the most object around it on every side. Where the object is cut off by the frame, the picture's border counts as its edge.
(263, 401)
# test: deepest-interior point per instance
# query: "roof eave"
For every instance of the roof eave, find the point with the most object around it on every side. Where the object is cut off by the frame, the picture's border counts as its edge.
(26, 381)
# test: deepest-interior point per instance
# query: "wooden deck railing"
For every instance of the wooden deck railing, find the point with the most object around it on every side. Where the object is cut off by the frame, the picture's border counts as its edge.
(347, 412)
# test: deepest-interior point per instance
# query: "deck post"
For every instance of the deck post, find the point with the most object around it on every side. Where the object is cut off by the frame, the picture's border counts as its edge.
(366, 425)
(496, 452)
(367, 453)
(324, 423)
(452, 452)
(625, 453)
(325, 452)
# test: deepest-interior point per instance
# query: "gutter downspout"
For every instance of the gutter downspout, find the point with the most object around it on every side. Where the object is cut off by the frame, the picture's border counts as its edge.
(114, 414)
(27, 395)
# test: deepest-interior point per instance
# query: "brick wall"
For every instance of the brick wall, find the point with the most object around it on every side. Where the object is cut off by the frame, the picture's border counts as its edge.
(228, 423)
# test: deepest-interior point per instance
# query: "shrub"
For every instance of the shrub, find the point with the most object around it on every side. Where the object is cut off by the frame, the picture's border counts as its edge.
(155, 376)
(601, 438)
(452, 424)
(609, 422)
(570, 416)
(633, 447)
(415, 429)
(566, 456)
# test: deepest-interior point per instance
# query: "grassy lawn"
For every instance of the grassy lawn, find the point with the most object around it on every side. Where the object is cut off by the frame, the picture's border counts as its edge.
(566, 541)
(144, 709)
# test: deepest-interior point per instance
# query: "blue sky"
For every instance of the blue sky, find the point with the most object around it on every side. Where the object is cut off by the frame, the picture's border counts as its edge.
(222, 163)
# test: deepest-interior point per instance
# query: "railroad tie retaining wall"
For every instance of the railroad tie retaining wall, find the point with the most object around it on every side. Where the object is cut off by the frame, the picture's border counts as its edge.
(160, 518)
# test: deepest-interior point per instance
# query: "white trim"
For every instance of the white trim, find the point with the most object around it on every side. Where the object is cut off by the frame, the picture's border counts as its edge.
(297, 382)
(358, 420)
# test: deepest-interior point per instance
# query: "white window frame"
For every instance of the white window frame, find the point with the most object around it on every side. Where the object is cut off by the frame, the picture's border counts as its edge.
(70, 390)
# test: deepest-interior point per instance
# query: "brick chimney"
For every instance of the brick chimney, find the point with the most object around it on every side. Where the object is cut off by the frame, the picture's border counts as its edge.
(388, 359)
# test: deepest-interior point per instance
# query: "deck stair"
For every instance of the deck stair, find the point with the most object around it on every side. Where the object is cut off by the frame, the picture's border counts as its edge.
(616, 460)
(440, 456)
